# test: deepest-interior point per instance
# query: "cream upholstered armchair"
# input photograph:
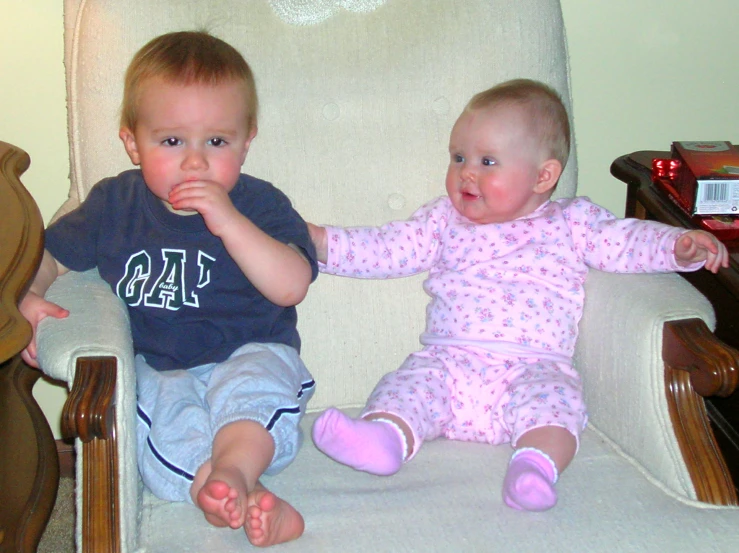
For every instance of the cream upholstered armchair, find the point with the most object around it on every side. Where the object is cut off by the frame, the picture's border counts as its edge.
(357, 101)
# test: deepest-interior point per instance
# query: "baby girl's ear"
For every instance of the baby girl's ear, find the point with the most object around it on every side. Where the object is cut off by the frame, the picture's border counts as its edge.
(549, 173)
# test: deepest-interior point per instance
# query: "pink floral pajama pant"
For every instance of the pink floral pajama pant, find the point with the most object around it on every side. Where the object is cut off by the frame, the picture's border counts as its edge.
(472, 394)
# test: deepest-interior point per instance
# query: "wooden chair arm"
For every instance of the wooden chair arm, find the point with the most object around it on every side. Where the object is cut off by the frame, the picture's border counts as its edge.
(89, 414)
(698, 365)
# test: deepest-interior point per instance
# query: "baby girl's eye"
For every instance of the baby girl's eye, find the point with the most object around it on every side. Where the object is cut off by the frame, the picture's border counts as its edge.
(488, 161)
(458, 158)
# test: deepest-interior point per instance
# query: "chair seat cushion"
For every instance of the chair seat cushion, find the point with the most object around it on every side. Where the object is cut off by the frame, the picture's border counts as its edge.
(448, 499)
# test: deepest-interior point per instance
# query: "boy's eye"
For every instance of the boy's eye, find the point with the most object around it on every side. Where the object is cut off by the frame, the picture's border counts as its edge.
(488, 161)
(171, 141)
(217, 142)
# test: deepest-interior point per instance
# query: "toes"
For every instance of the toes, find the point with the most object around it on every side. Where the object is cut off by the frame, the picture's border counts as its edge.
(267, 501)
(231, 505)
(216, 489)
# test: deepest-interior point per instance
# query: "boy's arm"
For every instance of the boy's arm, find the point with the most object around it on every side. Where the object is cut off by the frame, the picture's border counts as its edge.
(35, 308)
(277, 270)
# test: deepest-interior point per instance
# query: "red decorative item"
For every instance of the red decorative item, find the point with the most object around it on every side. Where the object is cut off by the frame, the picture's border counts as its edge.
(665, 168)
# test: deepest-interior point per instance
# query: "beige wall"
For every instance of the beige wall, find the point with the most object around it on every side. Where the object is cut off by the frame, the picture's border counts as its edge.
(644, 73)
(33, 117)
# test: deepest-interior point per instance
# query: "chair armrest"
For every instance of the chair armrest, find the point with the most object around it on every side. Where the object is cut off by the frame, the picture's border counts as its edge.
(619, 356)
(97, 325)
(698, 365)
(92, 351)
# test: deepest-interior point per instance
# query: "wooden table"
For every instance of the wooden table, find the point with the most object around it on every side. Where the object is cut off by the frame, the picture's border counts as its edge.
(29, 466)
(645, 201)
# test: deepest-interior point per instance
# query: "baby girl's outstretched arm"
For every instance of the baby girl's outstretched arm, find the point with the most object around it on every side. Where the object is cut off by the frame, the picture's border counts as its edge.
(320, 241)
(698, 245)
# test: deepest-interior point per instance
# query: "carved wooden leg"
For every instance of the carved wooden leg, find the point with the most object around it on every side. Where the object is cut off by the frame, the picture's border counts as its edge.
(89, 414)
(698, 365)
(29, 465)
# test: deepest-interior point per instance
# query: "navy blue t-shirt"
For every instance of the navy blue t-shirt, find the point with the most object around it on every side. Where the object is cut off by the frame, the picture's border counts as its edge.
(188, 301)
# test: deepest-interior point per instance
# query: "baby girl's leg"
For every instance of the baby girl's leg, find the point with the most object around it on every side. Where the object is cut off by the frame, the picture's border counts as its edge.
(541, 455)
(378, 444)
(546, 413)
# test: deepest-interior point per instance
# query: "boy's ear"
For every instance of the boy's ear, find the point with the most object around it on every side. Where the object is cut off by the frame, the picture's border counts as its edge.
(549, 173)
(129, 143)
(252, 134)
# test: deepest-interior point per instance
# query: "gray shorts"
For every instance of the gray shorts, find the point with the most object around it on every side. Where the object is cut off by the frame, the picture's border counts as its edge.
(179, 412)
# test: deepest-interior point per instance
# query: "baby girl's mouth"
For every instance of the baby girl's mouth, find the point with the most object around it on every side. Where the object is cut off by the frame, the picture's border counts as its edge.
(469, 196)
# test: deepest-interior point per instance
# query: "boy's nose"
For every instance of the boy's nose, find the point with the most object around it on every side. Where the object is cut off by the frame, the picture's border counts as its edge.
(194, 160)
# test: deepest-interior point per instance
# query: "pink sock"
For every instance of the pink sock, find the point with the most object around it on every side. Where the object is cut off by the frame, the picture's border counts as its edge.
(372, 446)
(529, 482)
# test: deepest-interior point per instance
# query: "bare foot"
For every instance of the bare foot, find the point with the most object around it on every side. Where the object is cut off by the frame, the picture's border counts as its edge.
(270, 520)
(221, 496)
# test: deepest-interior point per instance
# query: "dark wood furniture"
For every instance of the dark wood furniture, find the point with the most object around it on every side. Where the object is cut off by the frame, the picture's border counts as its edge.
(646, 201)
(29, 463)
(29, 466)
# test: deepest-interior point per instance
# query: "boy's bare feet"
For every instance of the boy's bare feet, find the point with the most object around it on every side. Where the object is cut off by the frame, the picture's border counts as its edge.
(221, 495)
(228, 491)
(271, 520)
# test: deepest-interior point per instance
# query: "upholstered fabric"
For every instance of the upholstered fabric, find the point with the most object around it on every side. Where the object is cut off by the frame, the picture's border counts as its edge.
(619, 358)
(420, 509)
(355, 115)
(357, 101)
(628, 420)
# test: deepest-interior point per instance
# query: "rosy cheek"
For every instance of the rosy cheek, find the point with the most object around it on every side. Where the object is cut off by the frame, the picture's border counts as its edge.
(158, 173)
(159, 165)
(153, 171)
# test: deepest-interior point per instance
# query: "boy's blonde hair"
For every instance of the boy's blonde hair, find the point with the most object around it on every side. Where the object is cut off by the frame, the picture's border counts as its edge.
(185, 58)
(543, 105)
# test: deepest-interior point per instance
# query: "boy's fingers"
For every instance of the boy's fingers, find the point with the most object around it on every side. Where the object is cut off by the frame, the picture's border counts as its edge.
(28, 359)
(60, 313)
(56, 311)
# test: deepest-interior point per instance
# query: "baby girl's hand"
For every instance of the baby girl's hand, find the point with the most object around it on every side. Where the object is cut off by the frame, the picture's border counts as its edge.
(320, 241)
(698, 245)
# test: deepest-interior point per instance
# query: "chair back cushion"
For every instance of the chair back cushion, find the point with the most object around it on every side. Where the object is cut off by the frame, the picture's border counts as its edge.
(357, 99)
